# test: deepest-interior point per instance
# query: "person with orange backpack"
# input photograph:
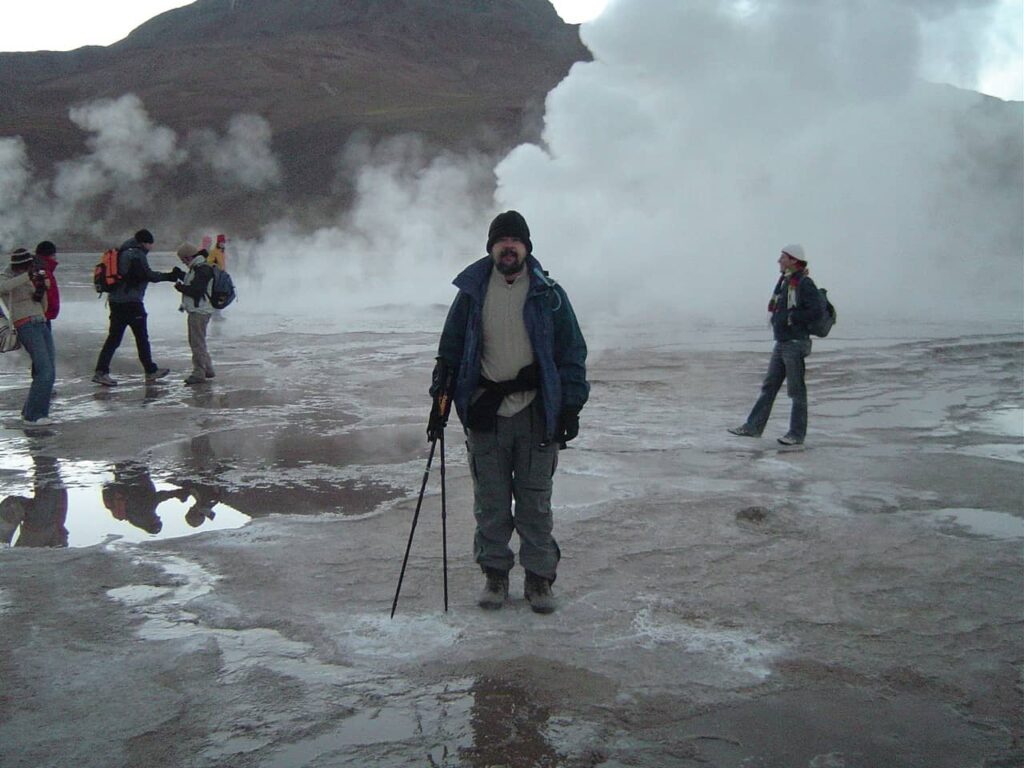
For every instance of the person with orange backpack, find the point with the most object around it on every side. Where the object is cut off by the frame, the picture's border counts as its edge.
(127, 309)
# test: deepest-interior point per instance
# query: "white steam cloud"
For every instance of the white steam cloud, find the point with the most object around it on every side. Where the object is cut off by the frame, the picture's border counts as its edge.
(125, 146)
(704, 136)
(127, 153)
(243, 156)
(415, 219)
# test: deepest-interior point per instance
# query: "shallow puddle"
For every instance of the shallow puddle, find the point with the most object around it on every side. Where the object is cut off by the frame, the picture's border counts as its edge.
(79, 505)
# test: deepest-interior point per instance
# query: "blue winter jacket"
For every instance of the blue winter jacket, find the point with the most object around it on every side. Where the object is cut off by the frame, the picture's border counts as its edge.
(558, 344)
(132, 262)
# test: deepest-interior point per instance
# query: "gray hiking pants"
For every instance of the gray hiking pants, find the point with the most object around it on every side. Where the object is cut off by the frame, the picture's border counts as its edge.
(202, 366)
(511, 464)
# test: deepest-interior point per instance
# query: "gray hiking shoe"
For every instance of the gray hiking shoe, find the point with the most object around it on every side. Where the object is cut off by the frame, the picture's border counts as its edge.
(105, 379)
(791, 441)
(743, 431)
(495, 591)
(159, 373)
(537, 591)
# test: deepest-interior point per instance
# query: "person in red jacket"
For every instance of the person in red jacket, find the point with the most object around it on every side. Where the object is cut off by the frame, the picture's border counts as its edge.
(46, 259)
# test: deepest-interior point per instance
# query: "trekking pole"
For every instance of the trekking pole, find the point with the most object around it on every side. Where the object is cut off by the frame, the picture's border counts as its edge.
(444, 528)
(435, 432)
(412, 531)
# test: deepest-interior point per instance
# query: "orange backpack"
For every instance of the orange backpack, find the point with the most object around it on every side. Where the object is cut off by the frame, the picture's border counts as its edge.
(105, 275)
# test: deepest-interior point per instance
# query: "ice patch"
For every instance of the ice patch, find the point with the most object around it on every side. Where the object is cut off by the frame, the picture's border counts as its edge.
(164, 605)
(1008, 421)
(997, 451)
(735, 648)
(403, 637)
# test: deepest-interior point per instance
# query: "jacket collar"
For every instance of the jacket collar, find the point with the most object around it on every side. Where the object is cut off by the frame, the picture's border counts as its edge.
(473, 279)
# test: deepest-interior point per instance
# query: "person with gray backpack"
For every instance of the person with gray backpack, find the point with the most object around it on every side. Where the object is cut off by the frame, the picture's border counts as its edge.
(795, 311)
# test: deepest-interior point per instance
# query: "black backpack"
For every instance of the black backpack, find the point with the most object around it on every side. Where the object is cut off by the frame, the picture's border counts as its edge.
(826, 319)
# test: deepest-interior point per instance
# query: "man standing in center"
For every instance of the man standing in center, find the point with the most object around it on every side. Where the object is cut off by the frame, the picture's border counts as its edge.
(127, 309)
(513, 360)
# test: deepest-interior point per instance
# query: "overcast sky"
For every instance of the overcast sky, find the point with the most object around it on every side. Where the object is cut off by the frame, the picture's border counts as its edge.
(67, 24)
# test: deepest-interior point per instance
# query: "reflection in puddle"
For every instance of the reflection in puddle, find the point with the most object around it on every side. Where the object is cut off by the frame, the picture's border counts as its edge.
(481, 722)
(125, 502)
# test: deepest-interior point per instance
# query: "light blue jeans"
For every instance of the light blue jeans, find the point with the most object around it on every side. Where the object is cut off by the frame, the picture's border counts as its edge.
(36, 338)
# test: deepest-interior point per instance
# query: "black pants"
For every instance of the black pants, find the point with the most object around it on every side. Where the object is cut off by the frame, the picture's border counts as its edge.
(132, 315)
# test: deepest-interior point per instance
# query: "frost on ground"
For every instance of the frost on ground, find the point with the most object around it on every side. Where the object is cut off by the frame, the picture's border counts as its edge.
(722, 602)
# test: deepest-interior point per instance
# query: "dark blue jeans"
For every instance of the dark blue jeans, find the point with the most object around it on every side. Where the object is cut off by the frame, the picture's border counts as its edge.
(37, 340)
(786, 364)
(124, 315)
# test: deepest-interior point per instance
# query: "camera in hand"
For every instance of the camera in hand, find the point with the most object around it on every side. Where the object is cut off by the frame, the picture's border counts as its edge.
(38, 278)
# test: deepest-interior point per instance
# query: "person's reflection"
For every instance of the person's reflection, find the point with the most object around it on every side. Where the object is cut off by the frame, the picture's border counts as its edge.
(206, 498)
(40, 519)
(507, 727)
(132, 496)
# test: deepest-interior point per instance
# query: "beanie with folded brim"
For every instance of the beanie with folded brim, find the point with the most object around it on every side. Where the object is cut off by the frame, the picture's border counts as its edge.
(795, 251)
(187, 251)
(509, 224)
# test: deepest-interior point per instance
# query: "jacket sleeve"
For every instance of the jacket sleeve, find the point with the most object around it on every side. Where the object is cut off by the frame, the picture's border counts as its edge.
(139, 270)
(570, 353)
(808, 304)
(196, 289)
(453, 337)
(11, 283)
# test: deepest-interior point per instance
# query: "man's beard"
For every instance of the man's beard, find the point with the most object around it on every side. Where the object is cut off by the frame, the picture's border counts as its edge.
(506, 267)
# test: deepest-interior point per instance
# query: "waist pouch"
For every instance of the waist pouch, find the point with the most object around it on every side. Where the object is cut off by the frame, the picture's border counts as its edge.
(482, 414)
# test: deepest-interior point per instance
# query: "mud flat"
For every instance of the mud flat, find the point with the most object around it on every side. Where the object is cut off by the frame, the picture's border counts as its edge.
(722, 602)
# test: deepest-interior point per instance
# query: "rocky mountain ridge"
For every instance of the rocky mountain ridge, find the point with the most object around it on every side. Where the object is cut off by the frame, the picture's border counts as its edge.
(461, 74)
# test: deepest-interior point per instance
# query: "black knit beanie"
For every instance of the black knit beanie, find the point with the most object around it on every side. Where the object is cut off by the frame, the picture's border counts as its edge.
(509, 224)
(144, 236)
(46, 248)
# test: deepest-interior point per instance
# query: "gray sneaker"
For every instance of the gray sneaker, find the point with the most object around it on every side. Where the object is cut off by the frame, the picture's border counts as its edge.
(791, 441)
(193, 379)
(105, 379)
(537, 591)
(159, 373)
(743, 431)
(495, 591)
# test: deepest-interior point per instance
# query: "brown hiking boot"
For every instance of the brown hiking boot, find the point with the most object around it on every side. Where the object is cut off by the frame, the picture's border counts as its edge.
(537, 591)
(495, 591)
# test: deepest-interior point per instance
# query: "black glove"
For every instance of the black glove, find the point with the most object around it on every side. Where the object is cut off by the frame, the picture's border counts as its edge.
(178, 273)
(441, 378)
(440, 393)
(568, 425)
(180, 288)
